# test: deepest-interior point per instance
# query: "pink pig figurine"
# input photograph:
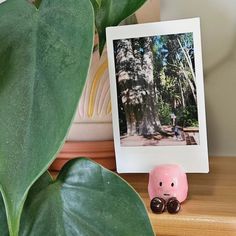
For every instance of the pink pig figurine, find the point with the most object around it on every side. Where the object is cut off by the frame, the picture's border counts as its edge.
(167, 187)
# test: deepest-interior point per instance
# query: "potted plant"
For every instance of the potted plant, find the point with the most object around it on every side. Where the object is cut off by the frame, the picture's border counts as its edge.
(45, 52)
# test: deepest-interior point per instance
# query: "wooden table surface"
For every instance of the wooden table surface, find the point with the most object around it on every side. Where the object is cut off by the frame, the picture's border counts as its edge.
(210, 209)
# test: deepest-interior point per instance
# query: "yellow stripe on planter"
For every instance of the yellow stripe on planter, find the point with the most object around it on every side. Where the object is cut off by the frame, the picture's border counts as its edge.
(109, 107)
(101, 70)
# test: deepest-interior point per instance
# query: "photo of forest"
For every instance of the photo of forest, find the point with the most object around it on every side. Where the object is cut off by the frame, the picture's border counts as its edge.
(156, 89)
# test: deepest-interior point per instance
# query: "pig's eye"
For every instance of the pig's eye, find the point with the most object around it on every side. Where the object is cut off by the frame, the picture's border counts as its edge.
(172, 184)
(160, 183)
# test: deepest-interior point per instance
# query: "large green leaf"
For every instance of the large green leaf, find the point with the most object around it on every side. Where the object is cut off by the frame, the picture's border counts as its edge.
(44, 58)
(3, 219)
(111, 13)
(86, 199)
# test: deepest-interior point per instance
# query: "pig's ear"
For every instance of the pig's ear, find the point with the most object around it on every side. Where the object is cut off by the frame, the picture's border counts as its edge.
(151, 186)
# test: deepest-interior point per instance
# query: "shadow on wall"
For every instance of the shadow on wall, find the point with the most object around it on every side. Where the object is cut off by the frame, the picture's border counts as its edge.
(218, 27)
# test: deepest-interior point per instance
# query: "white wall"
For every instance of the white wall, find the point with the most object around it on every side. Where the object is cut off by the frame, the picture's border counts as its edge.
(218, 24)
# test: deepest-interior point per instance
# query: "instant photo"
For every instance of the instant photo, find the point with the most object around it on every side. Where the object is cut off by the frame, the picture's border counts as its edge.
(157, 95)
(156, 90)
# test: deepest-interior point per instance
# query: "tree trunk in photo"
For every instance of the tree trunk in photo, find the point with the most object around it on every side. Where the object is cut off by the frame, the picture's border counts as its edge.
(137, 59)
(190, 82)
(150, 124)
(182, 93)
(131, 124)
(192, 78)
(188, 59)
(135, 79)
(125, 62)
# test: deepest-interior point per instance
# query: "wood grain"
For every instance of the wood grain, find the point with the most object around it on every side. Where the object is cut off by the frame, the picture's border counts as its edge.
(210, 209)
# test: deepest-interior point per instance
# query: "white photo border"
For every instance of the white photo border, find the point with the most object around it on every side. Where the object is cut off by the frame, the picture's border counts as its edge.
(193, 158)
